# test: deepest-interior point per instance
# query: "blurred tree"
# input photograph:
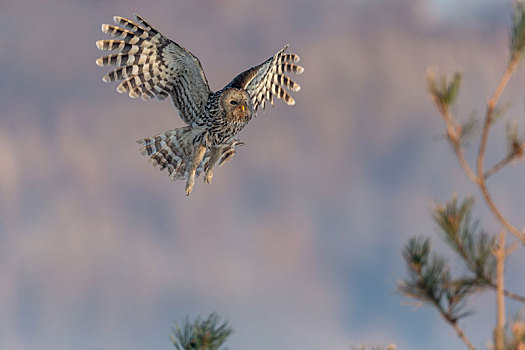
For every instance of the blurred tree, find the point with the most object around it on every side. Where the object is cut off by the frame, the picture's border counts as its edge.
(430, 280)
(373, 347)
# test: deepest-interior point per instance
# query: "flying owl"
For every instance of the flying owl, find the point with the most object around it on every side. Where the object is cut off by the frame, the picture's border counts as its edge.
(151, 65)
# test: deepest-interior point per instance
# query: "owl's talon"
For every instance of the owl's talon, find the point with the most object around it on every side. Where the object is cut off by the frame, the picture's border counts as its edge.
(189, 185)
(188, 189)
(199, 154)
(208, 176)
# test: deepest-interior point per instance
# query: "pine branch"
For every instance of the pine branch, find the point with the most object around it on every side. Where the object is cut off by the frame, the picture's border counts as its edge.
(430, 282)
(498, 166)
(207, 334)
(472, 245)
(515, 149)
(512, 295)
(469, 128)
(444, 93)
(461, 233)
(517, 45)
(463, 337)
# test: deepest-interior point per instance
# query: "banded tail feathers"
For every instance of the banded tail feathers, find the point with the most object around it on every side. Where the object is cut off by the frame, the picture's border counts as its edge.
(175, 150)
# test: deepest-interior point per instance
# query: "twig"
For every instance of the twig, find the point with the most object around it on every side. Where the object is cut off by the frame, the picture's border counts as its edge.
(498, 166)
(454, 323)
(508, 293)
(500, 254)
(453, 137)
(463, 162)
(448, 318)
(488, 199)
(514, 296)
(461, 334)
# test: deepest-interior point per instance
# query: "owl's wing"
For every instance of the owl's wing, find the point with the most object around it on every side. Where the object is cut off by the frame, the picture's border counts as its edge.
(267, 79)
(152, 65)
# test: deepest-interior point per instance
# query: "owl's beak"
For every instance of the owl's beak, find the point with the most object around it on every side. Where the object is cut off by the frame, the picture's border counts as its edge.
(242, 107)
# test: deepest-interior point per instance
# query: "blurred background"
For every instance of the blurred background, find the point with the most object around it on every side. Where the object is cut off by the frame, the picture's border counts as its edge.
(297, 241)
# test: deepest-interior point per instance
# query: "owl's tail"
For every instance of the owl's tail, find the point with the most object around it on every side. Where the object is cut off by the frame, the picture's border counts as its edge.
(175, 150)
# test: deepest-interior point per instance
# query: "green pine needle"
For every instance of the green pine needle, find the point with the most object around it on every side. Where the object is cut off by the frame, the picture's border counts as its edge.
(444, 91)
(428, 274)
(498, 112)
(462, 234)
(515, 141)
(469, 128)
(429, 281)
(207, 334)
(517, 33)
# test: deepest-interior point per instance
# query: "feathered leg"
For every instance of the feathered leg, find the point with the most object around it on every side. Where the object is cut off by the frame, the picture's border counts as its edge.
(215, 154)
(200, 150)
(184, 156)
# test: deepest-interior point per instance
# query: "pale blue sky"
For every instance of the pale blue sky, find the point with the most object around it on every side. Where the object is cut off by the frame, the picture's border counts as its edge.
(297, 241)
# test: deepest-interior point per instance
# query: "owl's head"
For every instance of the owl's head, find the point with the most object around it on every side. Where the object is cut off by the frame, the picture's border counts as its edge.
(237, 104)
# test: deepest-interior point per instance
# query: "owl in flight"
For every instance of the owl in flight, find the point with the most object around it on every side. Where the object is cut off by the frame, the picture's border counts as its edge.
(151, 65)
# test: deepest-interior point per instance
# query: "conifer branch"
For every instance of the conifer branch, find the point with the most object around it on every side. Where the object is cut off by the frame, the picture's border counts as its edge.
(207, 334)
(515, 149)
(461, 233)
(495, 211)
(429, 279)
(491, 105)
(472, 245)
(430, 282)
(498, 166)
(463, 337)
(443, 93)
(517, 46)
(512, 295)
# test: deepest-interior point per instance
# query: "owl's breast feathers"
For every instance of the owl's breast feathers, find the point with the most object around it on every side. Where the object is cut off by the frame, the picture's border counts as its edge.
(221, 125)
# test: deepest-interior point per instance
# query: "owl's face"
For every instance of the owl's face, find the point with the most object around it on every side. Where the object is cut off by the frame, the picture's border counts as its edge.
(237, 105)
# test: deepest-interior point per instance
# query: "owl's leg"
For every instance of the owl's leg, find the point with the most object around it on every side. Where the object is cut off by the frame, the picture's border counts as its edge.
(208, 169)
(197, 159)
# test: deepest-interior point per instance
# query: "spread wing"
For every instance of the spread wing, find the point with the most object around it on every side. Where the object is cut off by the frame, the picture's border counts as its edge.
(152, 65)
(268, 79)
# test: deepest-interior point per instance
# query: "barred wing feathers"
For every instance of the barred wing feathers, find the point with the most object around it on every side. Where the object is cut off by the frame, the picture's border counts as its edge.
(152, 65)
(268, 79)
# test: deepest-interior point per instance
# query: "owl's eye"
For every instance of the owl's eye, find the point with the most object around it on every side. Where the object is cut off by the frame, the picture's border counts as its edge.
(233, 102)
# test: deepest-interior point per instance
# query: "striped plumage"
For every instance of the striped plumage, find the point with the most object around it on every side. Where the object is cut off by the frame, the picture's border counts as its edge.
(152, 66)
(166, 151)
